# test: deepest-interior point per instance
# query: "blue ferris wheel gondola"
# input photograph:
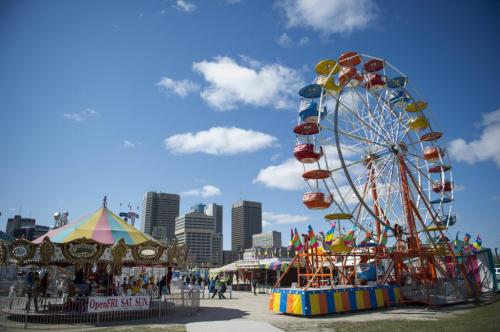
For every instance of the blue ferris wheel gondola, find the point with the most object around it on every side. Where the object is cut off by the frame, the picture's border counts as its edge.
(443, 200)
(400, 99)
(397, 82)
(448, 220)
(311, 91)
(309, 112)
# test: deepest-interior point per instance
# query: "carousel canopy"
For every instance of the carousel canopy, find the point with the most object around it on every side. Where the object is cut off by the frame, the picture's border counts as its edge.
(102, 226)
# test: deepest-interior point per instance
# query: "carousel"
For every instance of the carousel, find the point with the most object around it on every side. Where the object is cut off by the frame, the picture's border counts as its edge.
(90, 257)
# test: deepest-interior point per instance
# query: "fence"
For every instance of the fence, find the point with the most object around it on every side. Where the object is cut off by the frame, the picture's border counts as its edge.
(23, 311)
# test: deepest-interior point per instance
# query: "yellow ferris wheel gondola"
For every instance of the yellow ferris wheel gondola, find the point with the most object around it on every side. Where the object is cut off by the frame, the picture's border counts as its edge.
(338, 216)
(325, 67)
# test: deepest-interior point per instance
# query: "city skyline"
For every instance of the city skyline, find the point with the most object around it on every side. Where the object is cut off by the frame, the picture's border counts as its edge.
(132, 103)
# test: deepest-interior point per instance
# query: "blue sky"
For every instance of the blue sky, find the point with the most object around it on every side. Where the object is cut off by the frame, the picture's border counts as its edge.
(118, 98)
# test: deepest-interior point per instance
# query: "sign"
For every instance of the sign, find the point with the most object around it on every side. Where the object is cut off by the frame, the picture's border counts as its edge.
(118, 303)
(82, 250)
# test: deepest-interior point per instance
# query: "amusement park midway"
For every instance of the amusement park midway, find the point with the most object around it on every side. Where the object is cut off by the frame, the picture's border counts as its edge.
(236, 165)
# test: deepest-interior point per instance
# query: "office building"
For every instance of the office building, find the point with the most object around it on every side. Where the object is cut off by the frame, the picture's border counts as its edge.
(19, 227)
(267, 240)
(158, 214)
(246, 220)
(200, 208)
(197, 231)
(18, 222)
(216, 211)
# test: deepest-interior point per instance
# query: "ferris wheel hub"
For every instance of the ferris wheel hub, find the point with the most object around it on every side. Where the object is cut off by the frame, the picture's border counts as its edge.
(399, 149)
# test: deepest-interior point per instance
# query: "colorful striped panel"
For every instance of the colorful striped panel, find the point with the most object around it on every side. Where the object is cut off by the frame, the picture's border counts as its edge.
(385, 293)
(352, 300)
(319, 304)
(392, 298)
(379, 295)
(270, 303)
(339, 304)
(397, 295)
(297, 305)
(360, 300)
(276, 302)
(283, 299)
(289, 303)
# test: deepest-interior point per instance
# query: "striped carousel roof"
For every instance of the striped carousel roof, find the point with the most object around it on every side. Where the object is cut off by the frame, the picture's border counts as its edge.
(102, 226)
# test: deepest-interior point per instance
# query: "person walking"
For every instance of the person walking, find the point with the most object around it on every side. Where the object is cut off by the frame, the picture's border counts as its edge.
(254, 285)
(222, 290)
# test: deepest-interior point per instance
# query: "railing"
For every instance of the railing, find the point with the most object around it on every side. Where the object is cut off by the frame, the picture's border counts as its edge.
(25, 311)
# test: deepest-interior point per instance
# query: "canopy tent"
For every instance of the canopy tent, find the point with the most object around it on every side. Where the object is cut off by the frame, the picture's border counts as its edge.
(273, 264)
(102, 226)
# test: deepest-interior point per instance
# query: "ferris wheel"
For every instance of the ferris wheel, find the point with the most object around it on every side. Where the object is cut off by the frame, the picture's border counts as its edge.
(370, 152)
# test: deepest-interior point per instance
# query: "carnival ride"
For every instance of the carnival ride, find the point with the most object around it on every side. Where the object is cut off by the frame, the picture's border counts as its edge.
(372, 155)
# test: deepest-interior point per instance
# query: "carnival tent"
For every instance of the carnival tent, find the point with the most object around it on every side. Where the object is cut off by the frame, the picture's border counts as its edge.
(102, 226)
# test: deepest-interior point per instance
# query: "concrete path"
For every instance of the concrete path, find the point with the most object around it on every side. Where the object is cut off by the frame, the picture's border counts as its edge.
(240, 325)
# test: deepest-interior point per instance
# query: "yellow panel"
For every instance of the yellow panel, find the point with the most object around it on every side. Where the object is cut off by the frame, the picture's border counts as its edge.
(297, 304)
(276, 302)
(334, 216)
(325, 67)
(380, 297)
(418, 123)
(86, 229)
(314, 299)
(360, 300)
(337, 299)
(416, 106)
(397, 295)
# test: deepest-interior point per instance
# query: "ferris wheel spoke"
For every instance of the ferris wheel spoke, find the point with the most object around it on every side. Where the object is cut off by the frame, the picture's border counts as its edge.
(373, 130)
(371, 115)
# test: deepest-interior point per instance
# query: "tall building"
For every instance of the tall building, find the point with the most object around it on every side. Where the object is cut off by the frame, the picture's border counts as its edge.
(18, 227)
(246, 220)
(158, 214)
(200, 208)
(270, 239)
(215, 211)
(18, 222)
(197, 231)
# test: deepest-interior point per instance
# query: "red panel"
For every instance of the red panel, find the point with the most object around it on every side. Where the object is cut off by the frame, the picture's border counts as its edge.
(306, 129)
(432, 136)
(349, 59)
(373, 65)
(316, 174)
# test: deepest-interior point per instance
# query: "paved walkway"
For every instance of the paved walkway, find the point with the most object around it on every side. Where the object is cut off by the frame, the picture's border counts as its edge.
(239, 325)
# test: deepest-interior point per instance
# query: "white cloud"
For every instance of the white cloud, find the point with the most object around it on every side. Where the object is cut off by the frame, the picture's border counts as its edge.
(483, 149)
(286, 176)
(329, 17)
(82, 116)
(129, 144)
(286, 41)
(181, 88)
(283, 218)
(220, 141)
(458, 187)
(265, 223)
(184, 6)
(205, 191)
(250, 83)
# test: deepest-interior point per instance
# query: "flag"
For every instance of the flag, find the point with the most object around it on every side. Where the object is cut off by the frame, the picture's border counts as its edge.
(478, 243)
(466, 239)
(290, 243)
(330, 235)
(297, 244)
(349, 238)
(313, 243)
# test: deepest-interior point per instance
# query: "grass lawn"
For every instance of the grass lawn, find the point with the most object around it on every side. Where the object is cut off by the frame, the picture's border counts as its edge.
(484, 319)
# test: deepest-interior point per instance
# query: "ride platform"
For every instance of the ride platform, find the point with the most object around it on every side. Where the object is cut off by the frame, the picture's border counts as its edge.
(320, 301)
